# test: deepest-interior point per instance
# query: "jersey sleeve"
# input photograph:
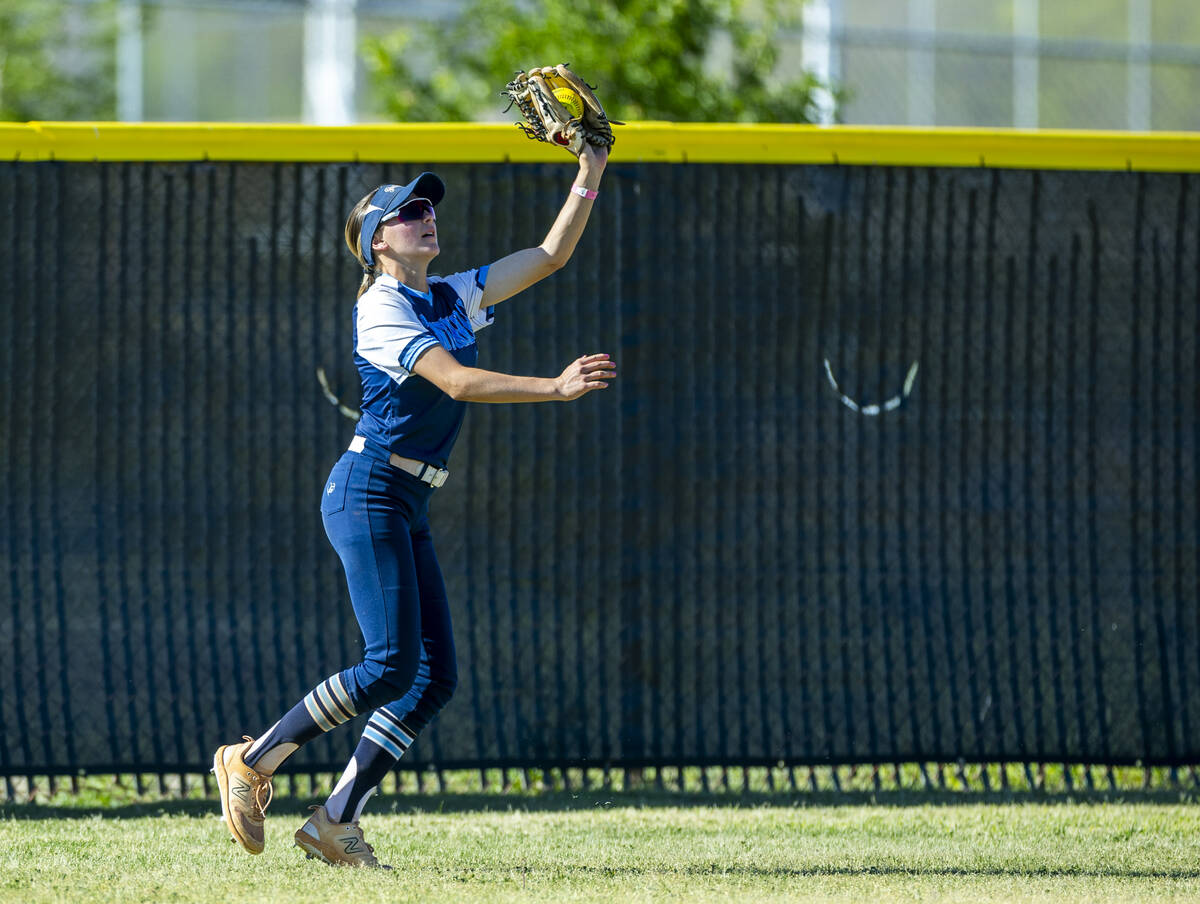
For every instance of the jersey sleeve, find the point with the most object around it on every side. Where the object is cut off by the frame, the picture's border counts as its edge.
(469, 286)
(390, 335)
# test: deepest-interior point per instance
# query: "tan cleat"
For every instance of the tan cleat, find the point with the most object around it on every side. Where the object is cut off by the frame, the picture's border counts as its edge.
(337, 843)
(242, 791)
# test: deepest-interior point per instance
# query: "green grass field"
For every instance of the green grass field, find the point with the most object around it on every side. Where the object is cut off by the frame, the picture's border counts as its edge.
(621, 847)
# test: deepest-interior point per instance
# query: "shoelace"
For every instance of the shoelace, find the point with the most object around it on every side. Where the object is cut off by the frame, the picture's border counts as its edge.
(259, 783)
(262, 807)
(370, 850)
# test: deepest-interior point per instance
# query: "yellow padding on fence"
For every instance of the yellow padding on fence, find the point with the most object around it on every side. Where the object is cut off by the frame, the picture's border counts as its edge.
(656, 142)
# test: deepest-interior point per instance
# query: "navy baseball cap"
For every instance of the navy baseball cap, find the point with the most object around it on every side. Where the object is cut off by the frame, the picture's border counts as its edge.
(389, 198)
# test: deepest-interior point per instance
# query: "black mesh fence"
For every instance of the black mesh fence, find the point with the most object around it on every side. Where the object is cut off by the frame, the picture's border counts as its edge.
(982, 545)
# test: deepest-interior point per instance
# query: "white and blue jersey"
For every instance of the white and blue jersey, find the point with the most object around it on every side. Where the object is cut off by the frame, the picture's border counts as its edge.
(393, 326)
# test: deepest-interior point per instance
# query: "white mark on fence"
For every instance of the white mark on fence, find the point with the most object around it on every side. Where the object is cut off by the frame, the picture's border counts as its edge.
(874, 409)
(333, 399)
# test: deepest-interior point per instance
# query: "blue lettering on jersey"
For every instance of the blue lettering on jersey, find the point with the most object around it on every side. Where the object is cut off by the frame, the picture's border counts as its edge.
(453, 331)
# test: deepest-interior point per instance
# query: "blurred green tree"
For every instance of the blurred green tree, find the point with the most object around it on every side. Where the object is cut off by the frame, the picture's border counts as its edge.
(677, 60)
(57, 60)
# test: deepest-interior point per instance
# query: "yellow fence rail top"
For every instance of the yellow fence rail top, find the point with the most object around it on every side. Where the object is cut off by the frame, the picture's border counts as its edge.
(655, 142)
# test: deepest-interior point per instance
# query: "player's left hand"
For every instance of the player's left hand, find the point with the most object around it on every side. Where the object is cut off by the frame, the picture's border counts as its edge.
(593, 157)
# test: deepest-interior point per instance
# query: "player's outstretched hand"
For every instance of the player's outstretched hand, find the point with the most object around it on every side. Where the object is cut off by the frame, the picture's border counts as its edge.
(585, 374)
(593, 157)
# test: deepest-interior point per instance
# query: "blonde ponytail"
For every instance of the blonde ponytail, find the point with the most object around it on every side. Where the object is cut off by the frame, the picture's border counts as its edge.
(353, 235)
(368, 280)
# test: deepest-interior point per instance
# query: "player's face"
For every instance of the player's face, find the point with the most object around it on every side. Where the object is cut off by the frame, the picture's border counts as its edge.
(412, 232)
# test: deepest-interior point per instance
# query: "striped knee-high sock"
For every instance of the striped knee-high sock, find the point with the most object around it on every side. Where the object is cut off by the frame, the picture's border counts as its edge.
(384, 741)
(323, 709)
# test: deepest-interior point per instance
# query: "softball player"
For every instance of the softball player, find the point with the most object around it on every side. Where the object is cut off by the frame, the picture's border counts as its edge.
(415, 350)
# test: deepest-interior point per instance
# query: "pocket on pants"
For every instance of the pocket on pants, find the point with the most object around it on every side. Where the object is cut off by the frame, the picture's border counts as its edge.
(333, 499)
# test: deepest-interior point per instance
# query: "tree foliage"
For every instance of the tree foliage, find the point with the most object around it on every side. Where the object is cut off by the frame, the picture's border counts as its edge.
(677, 60)
(57, 60)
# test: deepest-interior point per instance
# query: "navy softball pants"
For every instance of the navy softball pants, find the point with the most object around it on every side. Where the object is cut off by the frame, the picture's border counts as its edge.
(377, 518)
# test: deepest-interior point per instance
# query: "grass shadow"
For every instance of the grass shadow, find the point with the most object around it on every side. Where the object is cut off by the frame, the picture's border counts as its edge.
(724, 870)
(566, 801)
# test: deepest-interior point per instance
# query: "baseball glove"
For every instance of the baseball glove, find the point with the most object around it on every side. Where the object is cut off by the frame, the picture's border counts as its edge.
(541, 96)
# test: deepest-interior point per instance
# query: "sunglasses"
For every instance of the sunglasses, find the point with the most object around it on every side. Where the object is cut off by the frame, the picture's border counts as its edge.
(412, 212)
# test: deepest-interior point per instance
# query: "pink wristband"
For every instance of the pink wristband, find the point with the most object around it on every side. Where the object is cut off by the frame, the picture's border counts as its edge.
(584, 192)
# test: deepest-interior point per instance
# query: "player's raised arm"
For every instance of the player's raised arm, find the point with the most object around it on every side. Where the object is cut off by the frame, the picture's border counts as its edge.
(559, 108)
(521, 269)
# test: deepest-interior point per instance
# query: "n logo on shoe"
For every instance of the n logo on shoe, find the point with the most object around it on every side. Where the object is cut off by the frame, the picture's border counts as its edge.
(241, 790)
(352, 844)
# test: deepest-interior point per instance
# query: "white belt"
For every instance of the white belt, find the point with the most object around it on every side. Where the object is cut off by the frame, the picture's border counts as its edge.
(424, 472)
